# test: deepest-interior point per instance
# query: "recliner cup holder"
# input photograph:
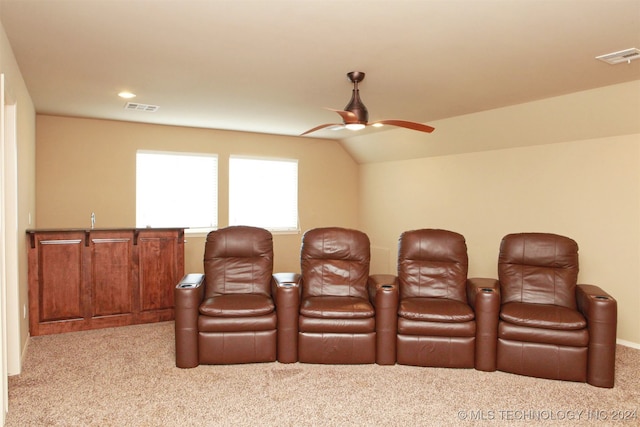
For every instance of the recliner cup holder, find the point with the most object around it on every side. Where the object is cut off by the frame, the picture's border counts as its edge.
(603, 297)
(486, 289)
(387, 286)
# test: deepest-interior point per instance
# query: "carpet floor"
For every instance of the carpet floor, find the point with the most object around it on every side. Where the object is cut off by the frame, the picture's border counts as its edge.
(127, 377)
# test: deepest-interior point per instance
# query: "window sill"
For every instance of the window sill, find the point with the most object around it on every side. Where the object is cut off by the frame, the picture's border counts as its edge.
(203, 232)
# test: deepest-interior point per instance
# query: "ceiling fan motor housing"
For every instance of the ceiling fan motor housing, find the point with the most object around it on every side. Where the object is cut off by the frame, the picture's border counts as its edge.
(355, 105)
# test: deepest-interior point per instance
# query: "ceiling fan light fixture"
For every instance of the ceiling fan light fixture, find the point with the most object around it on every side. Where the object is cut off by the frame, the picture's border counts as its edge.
(354, 126)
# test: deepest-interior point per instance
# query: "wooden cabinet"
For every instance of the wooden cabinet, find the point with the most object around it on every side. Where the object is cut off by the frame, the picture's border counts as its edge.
(89, 279)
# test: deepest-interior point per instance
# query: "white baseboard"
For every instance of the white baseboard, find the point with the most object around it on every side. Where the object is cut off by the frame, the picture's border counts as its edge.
(22, 356)
(628, 344)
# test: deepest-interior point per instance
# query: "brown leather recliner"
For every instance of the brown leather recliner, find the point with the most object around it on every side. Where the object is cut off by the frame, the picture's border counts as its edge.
(345, 316)
(550, 326)
(444, 318)
(229, 313)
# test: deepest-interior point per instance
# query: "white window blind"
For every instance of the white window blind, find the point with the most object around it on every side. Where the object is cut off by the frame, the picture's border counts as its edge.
(263, 193)
(176, 190)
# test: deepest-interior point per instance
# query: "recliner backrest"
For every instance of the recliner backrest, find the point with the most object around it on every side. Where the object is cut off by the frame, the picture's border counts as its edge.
(540, 268)
(432, 263)
(238, 259)
(335, 261)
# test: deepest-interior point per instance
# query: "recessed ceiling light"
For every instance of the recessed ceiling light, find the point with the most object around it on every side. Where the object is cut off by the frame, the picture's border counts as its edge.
(126, 95)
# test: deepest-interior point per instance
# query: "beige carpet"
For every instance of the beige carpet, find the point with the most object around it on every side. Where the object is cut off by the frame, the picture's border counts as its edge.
(127, 377)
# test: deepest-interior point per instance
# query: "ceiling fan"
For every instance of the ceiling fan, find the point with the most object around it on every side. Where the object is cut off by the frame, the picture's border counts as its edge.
(355, 115)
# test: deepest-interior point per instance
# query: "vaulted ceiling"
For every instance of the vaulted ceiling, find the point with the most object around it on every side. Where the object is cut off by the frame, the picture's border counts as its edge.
(270, 66)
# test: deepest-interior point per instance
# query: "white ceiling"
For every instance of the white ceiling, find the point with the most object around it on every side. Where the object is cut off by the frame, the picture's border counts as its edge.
(270, 66)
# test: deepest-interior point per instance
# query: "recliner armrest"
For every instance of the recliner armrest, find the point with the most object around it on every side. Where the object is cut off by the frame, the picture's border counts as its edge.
(601, 311)
(483, 295)
(188, 295)
(594, 303)
(384, 295)
(286, 280)
(286, 295)
(381, 281)
(479, 286)
(189, 292)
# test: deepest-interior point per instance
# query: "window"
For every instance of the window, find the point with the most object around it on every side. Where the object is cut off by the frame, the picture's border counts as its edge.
(263, 193)
(176, 190)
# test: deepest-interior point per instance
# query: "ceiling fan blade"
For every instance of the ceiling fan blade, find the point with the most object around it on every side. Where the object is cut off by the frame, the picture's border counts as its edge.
(347, 116)
(321, 127)
(406, 124)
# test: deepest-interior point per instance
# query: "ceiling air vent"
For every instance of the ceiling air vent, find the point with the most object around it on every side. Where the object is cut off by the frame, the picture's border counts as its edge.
(626, 55)
(141, 107)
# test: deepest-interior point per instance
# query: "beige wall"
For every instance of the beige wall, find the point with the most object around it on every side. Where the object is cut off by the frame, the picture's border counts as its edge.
(87, 165)
(586, 189)
(17, 94)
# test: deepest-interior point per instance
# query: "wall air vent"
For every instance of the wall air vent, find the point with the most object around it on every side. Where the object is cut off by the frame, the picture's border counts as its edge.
(141, 107)
(626, 55)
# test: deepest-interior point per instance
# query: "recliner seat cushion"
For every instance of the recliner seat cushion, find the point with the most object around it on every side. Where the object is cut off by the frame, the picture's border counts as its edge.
(336, 307)
(237, 324)
(566, 338)
(436, 329)
(435, 310)
(542, 316)
(237, 305)
(337, 326)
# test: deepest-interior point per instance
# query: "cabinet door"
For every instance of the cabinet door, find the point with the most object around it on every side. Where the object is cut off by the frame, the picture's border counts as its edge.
(58, 300)
(161, 266)
(111, 273)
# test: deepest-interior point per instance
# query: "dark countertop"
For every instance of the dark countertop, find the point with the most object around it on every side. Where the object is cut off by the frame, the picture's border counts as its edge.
(88, 230)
